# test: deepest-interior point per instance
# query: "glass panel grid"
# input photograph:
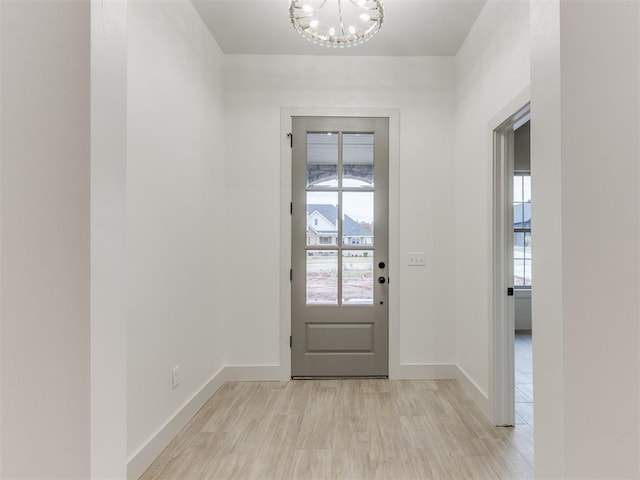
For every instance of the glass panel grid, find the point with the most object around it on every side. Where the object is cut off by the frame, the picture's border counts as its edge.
(340, 186)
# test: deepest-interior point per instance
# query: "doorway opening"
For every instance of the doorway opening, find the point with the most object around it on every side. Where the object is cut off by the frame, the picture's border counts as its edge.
(522, 278)
(512, 262)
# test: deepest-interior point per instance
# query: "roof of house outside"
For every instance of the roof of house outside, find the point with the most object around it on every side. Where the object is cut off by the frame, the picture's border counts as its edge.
(522, 216)
(350, 228)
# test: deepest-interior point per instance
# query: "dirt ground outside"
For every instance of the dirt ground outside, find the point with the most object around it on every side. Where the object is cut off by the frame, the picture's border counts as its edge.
(322, 280)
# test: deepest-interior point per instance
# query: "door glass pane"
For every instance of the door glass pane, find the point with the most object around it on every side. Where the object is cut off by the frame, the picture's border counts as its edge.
(517, 189)
(527, 259)
(357, 218)
(522, 201)
(517, 215)
(322, 218)
(526, 188)
(357, 159)
(322, 277)
(322, 159)
(519, 259)
(357, 277)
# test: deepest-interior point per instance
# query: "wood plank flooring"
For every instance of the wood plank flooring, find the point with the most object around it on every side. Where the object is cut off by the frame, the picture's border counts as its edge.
(344, 429)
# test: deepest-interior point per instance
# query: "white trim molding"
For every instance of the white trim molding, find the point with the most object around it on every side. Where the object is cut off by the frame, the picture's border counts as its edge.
(425, 371)
(500, 407)
(255, 373)
(471, 388)
(141, 460)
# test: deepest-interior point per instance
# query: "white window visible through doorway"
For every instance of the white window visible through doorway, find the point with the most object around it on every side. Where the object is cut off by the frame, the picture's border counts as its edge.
(522, 229)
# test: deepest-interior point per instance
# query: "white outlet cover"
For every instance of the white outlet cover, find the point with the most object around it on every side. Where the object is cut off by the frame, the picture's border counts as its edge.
(175, 377)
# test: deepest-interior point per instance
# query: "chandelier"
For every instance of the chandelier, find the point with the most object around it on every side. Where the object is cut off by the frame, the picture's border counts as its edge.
(336, 23)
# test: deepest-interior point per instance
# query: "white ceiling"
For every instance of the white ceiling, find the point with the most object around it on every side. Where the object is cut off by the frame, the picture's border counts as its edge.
(411, 28)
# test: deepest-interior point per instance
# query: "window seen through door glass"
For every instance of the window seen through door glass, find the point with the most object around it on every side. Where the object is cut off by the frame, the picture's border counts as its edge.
(522, 229)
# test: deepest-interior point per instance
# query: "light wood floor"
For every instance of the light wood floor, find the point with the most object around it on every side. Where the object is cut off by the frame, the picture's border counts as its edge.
(344, 429)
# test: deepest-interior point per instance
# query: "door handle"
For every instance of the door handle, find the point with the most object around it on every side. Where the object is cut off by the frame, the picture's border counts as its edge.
(381, 280)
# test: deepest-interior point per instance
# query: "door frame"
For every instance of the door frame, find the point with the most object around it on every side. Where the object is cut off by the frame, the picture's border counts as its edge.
(501, 306)
(286, 114)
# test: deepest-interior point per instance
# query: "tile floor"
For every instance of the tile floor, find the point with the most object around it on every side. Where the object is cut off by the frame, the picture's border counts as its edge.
(354, 429)
(524, 378)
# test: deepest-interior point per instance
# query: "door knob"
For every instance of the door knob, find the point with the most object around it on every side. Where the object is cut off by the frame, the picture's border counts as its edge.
(381, 279)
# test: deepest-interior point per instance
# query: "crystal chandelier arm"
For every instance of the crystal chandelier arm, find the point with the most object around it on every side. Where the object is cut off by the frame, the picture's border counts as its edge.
(340, 15)
(363, 6)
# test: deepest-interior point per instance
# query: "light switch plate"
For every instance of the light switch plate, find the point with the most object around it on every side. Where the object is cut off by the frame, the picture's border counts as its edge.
(417, 259)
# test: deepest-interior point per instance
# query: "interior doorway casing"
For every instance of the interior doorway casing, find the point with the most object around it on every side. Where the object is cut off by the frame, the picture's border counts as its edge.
(286, 114)
(501, 305)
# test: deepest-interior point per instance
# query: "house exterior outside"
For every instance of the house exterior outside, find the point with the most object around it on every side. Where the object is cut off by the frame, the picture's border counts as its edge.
(322, 227)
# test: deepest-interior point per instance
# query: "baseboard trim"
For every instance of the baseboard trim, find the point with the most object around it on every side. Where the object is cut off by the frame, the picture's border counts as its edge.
(144, 457)
(423, 371)
(470, 387)
(255, 373)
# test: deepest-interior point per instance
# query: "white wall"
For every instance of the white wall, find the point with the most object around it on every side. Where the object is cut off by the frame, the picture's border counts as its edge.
(108, 239)
(492, 70)
(45, 227)
(175, 205)
(546, 166)
(595, 157)
(600, 236)
(257, 87)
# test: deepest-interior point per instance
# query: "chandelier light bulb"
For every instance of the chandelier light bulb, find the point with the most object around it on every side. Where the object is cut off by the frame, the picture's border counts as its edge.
(336, 23)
